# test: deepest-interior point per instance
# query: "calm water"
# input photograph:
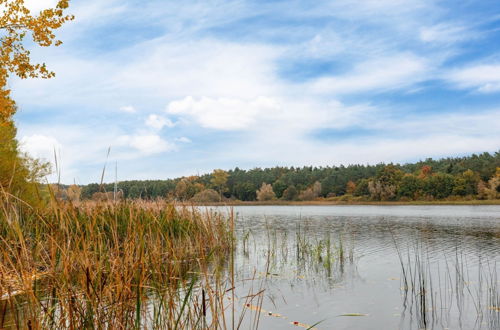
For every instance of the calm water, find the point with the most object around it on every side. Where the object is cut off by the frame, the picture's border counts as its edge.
(401, 267)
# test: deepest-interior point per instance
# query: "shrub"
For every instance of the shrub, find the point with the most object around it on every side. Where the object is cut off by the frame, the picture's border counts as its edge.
(206, 196)
(266, 193)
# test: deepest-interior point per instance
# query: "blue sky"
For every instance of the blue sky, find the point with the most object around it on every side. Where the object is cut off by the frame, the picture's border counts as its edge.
(182, 87)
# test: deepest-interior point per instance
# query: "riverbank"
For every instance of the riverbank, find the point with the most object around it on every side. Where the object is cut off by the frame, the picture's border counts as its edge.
(338, 202)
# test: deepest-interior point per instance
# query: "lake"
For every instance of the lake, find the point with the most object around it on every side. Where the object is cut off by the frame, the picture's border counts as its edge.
(368, 267)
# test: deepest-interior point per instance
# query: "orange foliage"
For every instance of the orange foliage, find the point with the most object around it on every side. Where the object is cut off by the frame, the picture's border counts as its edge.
(17, 22)
(425, 171)
(17, 171)
(350, 187)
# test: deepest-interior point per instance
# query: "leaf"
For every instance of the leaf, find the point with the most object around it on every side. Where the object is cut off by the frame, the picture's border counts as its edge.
(303, 325)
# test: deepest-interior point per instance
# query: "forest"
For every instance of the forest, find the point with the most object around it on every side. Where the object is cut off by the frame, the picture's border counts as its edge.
(471, 177)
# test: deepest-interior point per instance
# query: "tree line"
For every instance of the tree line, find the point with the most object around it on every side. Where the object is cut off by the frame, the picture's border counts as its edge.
(475, 177)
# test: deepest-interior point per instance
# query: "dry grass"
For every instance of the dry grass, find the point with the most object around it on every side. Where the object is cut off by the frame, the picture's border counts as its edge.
(105, 265)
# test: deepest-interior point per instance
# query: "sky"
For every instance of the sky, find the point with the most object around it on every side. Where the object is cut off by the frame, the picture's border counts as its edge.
(177, 88)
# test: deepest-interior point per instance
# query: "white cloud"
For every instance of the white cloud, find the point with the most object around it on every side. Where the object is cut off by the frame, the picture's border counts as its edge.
(444, 33)
(81, 156)
(183, 139)
(484, 78)
(174, 69)
(147, 144)
(37, 5)
(226, 78)
(158, 122)
(386, 73)
(41, 146)
(156, 70)
(389, 140)
(223, 113)
(128, 109)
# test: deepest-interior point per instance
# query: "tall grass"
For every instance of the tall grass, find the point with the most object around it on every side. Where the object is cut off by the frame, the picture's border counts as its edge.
(129, 264)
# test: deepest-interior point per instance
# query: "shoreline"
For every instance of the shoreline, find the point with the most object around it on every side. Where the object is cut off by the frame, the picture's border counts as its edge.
(348, 203)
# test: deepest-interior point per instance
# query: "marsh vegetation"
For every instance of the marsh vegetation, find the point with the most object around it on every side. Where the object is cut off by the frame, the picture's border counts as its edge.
(109, 265)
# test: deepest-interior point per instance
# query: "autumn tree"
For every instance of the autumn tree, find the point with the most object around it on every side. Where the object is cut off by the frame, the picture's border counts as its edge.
(58, 192)
(18, 24)
(183, 189)
(425, 172)
(350, 187)
(492, 189)
(74, 193)
(219, 180)
(385, 185)
(311, 193)
(266, 192)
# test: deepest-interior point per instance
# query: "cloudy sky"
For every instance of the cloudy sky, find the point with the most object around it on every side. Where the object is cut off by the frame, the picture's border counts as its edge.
(182, 87)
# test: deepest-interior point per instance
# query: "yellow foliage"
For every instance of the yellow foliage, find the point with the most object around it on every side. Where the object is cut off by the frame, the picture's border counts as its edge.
(17, 23)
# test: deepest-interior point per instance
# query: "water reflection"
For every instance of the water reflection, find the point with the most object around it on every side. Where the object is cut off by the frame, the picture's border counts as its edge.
(399, 267)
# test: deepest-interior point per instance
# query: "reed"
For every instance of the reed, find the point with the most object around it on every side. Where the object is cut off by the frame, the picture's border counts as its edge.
(130, 264)
(440, 292)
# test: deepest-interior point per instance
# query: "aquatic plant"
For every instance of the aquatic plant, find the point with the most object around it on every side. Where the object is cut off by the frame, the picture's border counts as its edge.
(111, 265)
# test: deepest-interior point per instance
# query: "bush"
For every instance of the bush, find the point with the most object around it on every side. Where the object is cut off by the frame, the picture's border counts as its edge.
(206, 196)
(265, 193)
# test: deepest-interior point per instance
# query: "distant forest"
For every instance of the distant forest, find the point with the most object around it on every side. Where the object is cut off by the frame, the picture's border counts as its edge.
(471, 177)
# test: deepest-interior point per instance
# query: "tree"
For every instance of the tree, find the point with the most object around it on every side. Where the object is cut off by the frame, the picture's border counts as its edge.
(19, 174)
(385, 184)
(311, 193)
(279, 187)
(350, 187)
(362, 188)
(290, 193)
(425, 171)
(219, 180)
(482, 190)
(409, 186)
(17, 22)
(492, 190)
(265, 193)
(334, 183)
(74, 193)
(466, 183)
(58, 192)
(245, 191)
(439, 185)
(182, 190)
(381, 191)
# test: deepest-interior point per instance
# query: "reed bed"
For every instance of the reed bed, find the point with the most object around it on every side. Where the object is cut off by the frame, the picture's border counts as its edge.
(129, 264)
(440, 293)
